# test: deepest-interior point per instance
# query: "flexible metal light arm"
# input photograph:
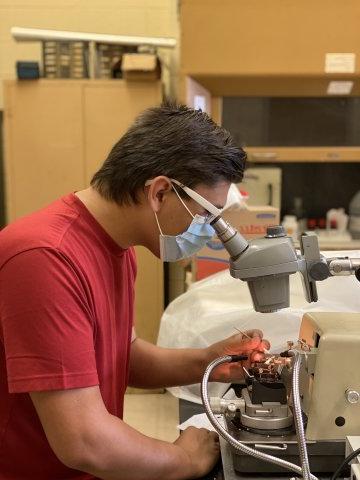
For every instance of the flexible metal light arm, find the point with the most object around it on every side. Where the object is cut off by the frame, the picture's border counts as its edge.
(235, 443)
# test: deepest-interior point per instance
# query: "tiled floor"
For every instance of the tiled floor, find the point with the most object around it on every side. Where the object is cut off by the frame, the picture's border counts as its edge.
(155, 415)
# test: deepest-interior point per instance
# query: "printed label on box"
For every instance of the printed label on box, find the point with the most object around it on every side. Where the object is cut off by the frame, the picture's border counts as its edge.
(266, 215)
(340, 62)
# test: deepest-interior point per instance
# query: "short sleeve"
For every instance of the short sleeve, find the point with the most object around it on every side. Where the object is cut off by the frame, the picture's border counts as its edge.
(133, 334)
(47, 324)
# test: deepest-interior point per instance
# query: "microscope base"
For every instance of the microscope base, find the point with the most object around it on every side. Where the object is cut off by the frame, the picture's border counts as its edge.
(324, 456)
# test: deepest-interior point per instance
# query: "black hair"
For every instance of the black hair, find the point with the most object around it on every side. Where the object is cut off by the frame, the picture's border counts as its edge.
(171, 140)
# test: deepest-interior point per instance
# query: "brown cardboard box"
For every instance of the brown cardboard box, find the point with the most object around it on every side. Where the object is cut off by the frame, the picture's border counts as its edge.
(140, 66)
(251, 222)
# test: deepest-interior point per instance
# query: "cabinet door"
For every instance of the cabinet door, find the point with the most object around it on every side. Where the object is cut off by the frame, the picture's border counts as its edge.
(109, 109)
(234, 38)
(43, 143)
(149, 294)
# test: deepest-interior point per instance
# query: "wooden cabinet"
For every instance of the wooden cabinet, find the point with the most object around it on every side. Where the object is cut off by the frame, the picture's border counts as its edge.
(262, 47)
(57, 133)
(241, 37)
(293, 52)
(109, 109)
(44, 154)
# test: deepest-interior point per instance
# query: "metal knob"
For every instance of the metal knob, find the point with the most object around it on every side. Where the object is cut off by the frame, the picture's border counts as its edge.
(231, 408)
(319, 271)
(275, 231)
(352, 396)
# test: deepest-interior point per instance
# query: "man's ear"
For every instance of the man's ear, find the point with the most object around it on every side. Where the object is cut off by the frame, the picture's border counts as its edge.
(157, 193)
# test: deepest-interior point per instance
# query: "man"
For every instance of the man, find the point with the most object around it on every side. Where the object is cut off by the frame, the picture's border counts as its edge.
(67, 274)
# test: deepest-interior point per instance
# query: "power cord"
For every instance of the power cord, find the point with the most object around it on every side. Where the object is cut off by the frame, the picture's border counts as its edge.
(344, 463)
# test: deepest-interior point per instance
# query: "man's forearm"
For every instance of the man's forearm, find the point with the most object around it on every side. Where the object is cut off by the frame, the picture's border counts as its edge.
(152, 366)
(118, 451)
(86, 437)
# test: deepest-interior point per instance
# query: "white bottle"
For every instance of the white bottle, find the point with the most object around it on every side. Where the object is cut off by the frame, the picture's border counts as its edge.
(291, 226)
(338, 217)
(354, 210)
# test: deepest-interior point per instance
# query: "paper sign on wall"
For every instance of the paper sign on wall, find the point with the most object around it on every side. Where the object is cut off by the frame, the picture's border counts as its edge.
(340, 88)
(200, 102)
(340, 62)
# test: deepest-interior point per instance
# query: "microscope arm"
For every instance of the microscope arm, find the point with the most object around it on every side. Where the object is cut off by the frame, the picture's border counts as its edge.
(344, 266)
(315, 267)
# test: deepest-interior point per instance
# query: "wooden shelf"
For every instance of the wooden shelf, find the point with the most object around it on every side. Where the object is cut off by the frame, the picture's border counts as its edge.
(303, 154)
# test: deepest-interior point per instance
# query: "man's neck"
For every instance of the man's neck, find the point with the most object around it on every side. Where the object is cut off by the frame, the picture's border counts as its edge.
(118, 221)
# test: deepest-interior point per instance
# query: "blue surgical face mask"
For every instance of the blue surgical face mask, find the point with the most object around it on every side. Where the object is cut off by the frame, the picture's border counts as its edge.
(186, 244)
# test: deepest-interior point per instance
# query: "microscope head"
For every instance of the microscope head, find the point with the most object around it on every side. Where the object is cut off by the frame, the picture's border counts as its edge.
(264, 263)
(266, 266)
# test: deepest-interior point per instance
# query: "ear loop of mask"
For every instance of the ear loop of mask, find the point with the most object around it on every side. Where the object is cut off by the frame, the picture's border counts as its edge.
(215, 212)
(158, 224)
(181, 200)
(199, 199)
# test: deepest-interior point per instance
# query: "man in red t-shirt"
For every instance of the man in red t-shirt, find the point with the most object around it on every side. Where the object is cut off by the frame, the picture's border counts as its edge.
(67, 272)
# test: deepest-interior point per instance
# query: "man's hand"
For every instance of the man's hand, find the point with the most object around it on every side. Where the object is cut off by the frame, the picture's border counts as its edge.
(152, 366)
(238, 344)
(202, 447)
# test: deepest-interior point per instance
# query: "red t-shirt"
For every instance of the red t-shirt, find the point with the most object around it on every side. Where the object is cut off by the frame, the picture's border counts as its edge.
(66, 313)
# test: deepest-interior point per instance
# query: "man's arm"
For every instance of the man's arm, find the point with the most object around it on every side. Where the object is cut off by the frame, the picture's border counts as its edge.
(84, 436)
(152, 366)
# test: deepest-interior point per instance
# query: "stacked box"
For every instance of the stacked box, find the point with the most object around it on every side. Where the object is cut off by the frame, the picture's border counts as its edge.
(66, 59)
(109, 59)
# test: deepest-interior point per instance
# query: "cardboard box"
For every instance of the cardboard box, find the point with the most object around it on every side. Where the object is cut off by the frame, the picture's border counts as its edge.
(251, 222)
(140, 66)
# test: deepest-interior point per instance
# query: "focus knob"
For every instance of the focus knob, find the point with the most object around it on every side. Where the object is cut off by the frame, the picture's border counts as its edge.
(357, 273)
(352, 396)
(319, 271)
(275, 231)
